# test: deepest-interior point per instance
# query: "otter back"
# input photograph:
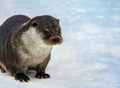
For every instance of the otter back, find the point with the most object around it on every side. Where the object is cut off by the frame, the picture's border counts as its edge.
(6, 31)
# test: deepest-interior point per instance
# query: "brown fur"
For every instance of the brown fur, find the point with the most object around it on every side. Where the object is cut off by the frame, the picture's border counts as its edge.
(10, 43)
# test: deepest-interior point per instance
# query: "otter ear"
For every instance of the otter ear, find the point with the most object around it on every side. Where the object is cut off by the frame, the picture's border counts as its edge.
(58, 21)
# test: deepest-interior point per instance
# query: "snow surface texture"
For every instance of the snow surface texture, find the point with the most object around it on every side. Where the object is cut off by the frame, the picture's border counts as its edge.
(89, 56)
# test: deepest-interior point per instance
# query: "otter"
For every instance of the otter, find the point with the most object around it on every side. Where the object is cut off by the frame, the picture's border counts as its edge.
(26, 44)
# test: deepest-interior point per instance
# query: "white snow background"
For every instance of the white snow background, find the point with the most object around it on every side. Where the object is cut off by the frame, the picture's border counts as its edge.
(90, 54)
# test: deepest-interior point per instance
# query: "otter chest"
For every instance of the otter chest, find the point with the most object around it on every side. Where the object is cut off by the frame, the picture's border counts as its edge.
(37, 50)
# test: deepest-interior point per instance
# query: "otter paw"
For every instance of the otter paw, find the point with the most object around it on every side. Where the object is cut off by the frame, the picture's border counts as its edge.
(2, 70)
(21, 77)
(42, 75)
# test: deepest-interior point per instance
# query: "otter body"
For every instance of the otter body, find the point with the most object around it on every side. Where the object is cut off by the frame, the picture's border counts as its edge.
(26, 43)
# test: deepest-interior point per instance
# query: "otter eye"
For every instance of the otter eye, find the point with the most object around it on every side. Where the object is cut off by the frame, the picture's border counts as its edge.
(34, 24)
(46, 32)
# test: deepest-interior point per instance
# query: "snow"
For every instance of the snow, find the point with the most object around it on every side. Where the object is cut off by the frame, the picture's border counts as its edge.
(89, 56)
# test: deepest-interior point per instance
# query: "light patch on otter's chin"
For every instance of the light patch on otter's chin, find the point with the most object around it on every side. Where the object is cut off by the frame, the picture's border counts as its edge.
(37, 49)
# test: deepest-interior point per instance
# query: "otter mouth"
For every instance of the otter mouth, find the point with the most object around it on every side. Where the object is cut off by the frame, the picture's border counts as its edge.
(53, 41)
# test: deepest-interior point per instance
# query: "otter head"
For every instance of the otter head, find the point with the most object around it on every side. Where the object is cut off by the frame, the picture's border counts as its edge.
(49, 29)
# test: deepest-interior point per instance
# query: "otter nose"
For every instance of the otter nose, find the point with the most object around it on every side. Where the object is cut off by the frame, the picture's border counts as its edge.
(55, 39)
